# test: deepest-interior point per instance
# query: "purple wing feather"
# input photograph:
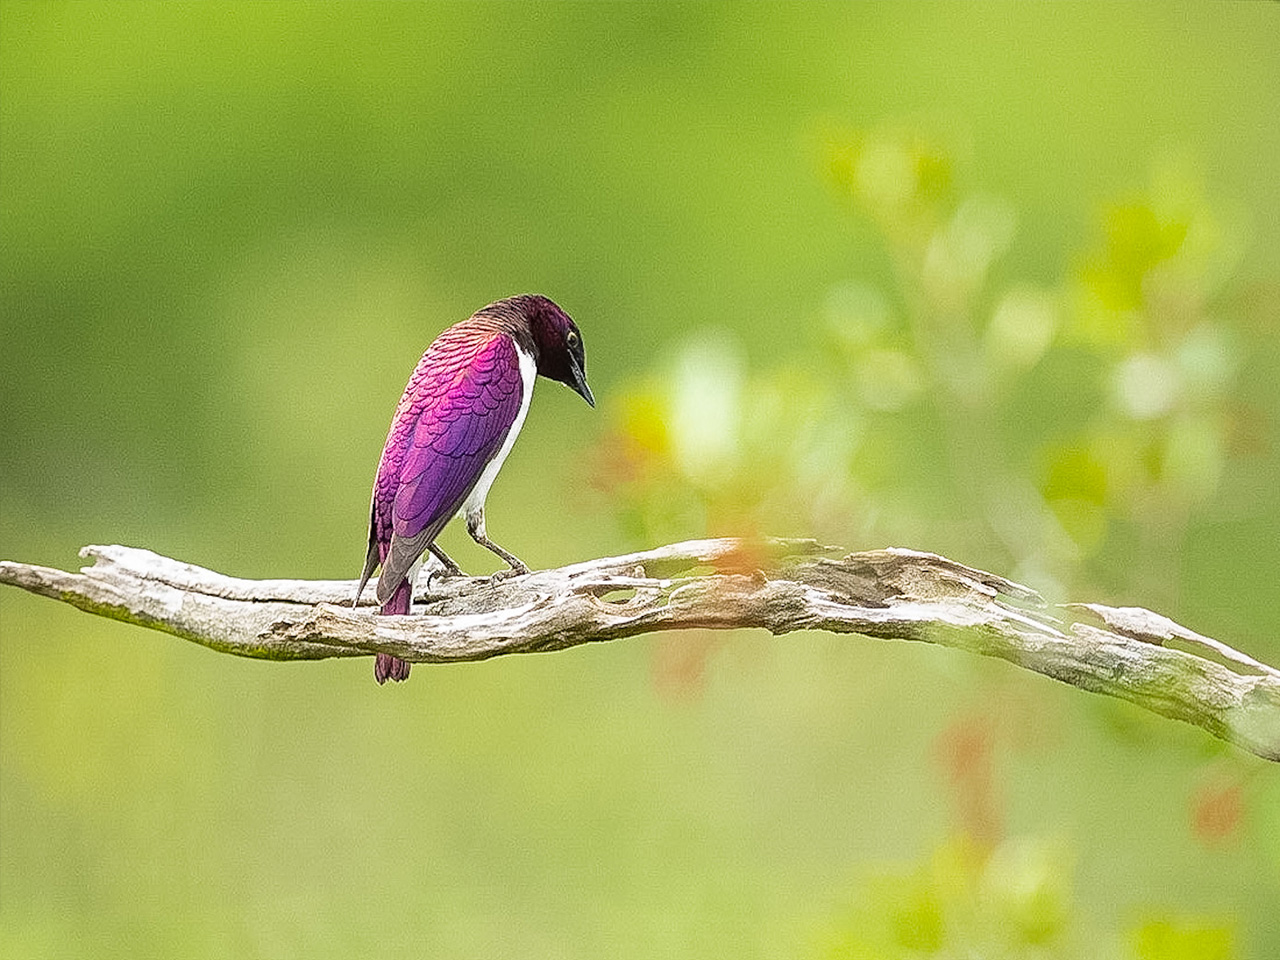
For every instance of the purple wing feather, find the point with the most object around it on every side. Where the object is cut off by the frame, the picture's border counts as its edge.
(455, 414)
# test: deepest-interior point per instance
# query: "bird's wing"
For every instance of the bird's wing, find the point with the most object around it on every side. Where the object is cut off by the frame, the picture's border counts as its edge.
(462, 403)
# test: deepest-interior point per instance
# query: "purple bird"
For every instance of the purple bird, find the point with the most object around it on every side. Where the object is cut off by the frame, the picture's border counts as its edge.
(452, 430)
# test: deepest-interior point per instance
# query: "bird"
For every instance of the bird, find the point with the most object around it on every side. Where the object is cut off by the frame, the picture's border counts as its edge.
(452, 430)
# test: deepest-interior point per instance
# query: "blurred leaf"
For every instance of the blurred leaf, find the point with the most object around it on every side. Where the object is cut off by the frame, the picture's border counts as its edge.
(1146, 386)
(1074, 473)
(1022, 327)
(643, 421)
(901, 178)
(963, 900)
(1136, 241)
(1217, 811)
(1029, 884)
(1169, 939)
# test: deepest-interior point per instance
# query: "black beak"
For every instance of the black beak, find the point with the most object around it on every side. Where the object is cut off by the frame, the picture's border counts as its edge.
(579, 383)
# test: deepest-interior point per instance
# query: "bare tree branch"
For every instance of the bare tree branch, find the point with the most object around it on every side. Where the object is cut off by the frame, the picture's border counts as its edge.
(778, 585)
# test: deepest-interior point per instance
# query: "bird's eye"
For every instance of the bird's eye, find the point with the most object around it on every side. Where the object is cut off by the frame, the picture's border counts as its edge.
(571, 338)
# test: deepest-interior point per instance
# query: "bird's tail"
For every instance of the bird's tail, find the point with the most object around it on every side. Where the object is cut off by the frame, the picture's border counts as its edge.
(387, 667)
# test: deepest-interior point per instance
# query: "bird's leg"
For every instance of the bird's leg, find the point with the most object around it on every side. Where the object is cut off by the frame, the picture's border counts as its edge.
(475, 527)
(451, 569)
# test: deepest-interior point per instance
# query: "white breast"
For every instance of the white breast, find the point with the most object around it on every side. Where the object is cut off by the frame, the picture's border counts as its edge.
(528, 373)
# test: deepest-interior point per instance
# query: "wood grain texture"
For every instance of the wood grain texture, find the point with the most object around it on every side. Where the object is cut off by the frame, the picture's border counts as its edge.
(776, 585)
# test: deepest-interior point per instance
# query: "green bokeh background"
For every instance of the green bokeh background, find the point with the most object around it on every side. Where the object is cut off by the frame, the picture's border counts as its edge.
(226, 234)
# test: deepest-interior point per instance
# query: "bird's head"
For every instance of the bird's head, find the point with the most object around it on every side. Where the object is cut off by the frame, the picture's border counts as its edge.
(557, 343)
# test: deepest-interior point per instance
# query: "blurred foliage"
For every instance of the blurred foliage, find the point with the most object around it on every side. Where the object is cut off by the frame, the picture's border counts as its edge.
(1004, 904)
(972, 323)
(964, 901)
(983, 893)
(1182, 940)
(1130, 347)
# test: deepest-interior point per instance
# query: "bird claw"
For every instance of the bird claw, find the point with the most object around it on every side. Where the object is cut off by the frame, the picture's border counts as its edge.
(444, 564)
(512, 571)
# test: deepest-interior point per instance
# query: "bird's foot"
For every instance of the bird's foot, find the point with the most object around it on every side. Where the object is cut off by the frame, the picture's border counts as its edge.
(433, 578)
(516, 569)
(435, 575)
(448, 567)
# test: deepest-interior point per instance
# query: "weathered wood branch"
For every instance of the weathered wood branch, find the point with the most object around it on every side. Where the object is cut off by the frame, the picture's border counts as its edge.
(777, 585)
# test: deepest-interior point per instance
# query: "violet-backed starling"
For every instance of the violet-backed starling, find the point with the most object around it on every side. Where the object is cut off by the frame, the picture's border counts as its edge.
(452, 430)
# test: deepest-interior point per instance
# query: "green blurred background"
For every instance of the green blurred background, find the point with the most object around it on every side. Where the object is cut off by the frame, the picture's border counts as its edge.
(995, 281)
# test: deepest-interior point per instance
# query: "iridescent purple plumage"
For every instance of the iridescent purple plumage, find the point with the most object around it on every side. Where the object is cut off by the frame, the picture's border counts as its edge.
(460, 412)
